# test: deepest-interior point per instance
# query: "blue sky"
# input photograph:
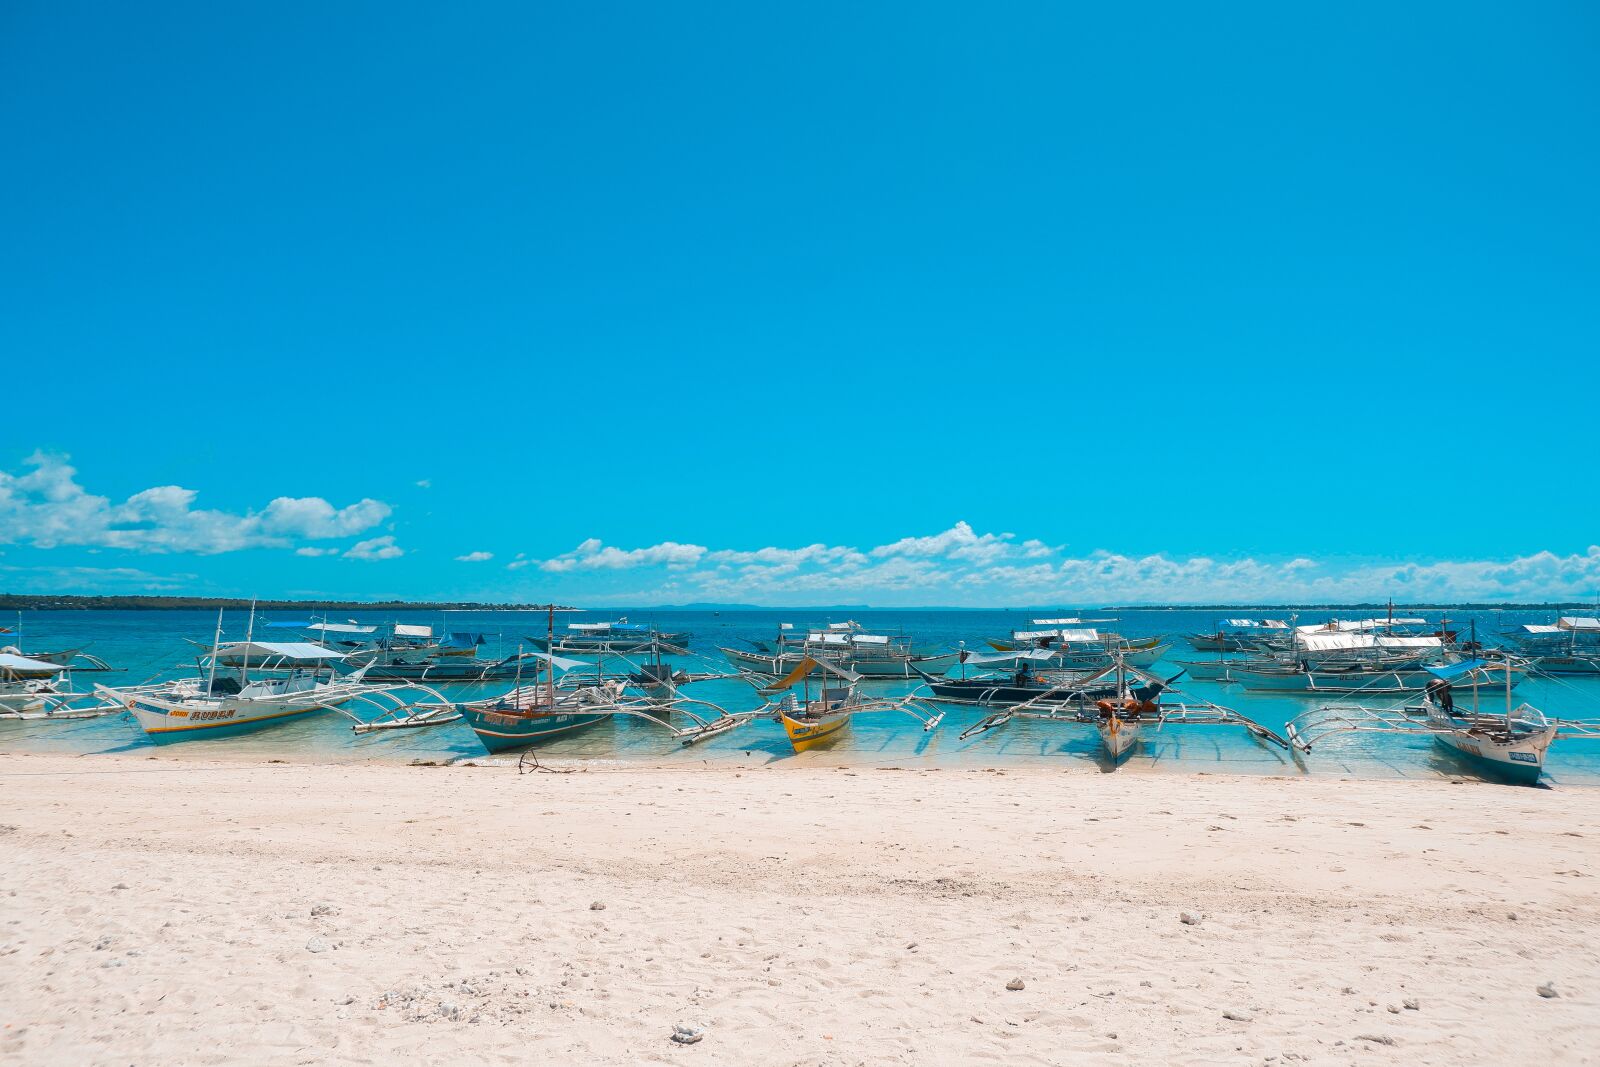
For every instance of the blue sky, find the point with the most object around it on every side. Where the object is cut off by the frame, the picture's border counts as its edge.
(1245, 302)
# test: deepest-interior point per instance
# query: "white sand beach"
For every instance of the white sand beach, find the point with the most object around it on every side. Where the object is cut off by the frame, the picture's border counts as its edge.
(172, 910)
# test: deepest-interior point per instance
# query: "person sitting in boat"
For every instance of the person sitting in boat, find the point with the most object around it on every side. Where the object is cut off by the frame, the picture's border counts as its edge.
(1023, 677)
(1438, 691)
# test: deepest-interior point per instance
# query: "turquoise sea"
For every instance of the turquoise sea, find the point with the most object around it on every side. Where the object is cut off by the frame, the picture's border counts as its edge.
(149, 645)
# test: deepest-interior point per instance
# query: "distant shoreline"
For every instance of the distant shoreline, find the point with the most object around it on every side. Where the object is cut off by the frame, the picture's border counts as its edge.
(38, 602)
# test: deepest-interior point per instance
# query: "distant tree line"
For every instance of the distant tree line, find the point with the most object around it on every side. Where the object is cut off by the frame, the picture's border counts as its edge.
(34, 602)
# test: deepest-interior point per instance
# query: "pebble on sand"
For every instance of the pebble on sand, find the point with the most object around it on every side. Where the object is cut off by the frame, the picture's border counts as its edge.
(1188, 918)
(598, 905)
(316, 944)
(1548, 991)
(1236, 1016)
(1412, 1004)
(1015, 985)
(684, 1034)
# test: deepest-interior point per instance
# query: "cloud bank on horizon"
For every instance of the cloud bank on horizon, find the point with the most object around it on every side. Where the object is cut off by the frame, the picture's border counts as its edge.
(961, 567)
(46, 508)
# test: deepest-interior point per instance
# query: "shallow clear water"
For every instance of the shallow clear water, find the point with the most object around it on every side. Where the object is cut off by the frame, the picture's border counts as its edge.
(147, 645)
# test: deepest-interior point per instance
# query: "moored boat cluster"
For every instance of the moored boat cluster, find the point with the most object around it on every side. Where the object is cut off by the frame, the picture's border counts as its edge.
(1390, 675)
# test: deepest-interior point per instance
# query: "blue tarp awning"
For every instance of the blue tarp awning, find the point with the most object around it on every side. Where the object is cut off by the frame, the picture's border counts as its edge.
(1456, 670)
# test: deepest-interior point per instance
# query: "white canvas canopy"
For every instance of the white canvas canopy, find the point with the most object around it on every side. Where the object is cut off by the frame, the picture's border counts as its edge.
(341, 628)
(1537, 628)
(1331, 642)
(1389, 641)
(299, 651)
(1357, 625)
(982, 658)
(558, 662)
(1069, 636)
(10, 661)
(1578, 622)
(871, 639)
(403, 630)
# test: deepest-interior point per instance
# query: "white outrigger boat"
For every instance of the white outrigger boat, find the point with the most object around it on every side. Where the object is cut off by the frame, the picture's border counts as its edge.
(843, 644)
(1120, 719)
(295, 679)
(1511, 745)
(39, 689)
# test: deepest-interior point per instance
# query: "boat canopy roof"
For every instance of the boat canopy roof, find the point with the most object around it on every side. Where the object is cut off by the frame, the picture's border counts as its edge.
(807, 666)
(1254, 624)
(304, 651)
(982, 658)
(1578, 622)
(834, 637)
(405, 630)
(1065, 635)
(602, 627)
(1456, 670)
(1357, 625)
(341, 628)
(10, 661)
(1392, 641)
(1542, 628)
(560, 663)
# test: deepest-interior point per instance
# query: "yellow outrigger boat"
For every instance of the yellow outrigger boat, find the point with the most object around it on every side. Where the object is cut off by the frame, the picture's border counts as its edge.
(812, 721)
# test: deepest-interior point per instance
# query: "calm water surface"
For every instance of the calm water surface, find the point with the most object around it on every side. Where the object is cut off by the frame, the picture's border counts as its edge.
(150, 645)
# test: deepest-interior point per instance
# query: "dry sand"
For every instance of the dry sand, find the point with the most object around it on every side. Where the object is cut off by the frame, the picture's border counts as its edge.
(165, 911)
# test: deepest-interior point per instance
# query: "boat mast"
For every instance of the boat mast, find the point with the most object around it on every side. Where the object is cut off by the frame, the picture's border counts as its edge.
(216, 639)
(550, 655)
(249, 635)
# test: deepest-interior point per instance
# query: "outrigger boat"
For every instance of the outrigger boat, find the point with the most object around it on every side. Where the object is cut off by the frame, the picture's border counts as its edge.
(845, 645)
(1237, 635)
(1120, 718)
(529, 714)
(619, 637)
(1511, 745)
(1371, 682)
(1080, 647)
(295, 679)
(1025, 681)
(1570, 646)
(810, 721)
(38, 689)
(75, 658)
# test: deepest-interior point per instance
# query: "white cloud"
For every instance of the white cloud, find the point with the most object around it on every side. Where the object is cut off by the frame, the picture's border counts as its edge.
(958, 542)
(375, 548)
(961, 566)
(46, 506)
(475, 557)
(424, 483)
(593, 555)
(314, 552)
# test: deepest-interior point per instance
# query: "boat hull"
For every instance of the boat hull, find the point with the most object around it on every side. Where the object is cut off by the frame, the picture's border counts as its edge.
(807, 734)
(1118, 736)
(164, 725)
(501, 731)
(1517, 760)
